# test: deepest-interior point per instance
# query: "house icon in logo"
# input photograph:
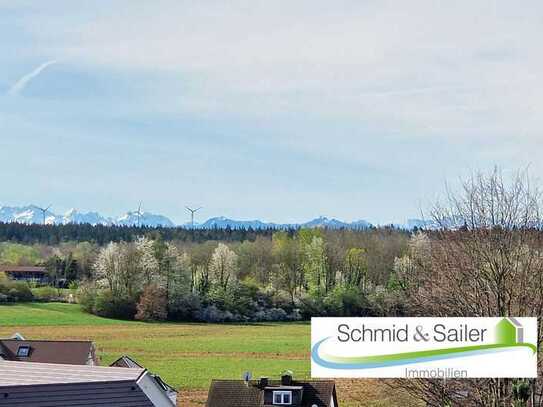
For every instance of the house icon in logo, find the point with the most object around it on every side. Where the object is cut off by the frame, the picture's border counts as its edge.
(509, 331)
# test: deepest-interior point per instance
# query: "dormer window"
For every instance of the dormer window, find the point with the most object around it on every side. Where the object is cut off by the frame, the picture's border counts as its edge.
(282, 398)
(23, 351)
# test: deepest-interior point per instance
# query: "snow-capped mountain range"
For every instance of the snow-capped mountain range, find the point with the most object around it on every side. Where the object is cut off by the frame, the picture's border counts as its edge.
(32, 214)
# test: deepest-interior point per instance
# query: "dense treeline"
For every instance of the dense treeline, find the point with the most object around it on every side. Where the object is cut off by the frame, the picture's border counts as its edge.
(280, 275)
(102, 234)
(285, 277)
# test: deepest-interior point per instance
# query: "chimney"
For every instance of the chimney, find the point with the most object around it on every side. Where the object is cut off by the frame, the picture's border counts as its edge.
(17, 336)
(247, 378)
(286, 379)
(264, 382)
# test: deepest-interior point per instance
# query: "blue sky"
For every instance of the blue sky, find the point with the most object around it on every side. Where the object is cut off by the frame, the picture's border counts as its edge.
(279, 110)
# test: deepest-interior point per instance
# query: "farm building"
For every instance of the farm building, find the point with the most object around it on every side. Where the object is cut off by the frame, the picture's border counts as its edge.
(265, 392)
(26, 273)
(43, 384)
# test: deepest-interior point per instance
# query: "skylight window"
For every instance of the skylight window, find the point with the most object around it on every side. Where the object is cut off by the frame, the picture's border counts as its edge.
(283, 398)
(23, 351)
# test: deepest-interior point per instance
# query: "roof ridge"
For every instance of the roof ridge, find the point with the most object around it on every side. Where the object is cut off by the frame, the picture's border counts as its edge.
(143, 373)
(46, 340)
(279, 379)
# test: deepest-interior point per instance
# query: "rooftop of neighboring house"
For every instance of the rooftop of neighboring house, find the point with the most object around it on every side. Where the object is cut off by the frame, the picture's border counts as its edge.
(20, 349)
(21, 374)
(29, 384)
(127, 362)
(264, 392)
(22, 269)
(65, 356)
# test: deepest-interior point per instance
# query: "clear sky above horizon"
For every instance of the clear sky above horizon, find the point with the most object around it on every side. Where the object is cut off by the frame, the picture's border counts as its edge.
(277, 110)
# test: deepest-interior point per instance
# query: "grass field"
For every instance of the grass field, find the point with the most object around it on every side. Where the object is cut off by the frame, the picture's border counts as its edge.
(187, 355)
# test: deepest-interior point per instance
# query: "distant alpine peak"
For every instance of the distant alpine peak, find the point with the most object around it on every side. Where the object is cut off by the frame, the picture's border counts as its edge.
(132, 218)
(92, 218)
(332, 223)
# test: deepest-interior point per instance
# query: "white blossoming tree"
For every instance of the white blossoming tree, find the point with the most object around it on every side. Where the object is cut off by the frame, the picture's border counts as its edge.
(224, 265)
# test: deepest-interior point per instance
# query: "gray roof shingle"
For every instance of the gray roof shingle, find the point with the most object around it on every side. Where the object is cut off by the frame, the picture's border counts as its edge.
(53, 385)
(22, 373)
(41, 351)
(112, 394)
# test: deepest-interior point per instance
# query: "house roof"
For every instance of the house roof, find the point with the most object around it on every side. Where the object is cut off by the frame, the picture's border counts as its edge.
(65, 352)
(24, 374)
(236, 393)
(41, 384)
(106, 394)
(125, 361)
(22, 269)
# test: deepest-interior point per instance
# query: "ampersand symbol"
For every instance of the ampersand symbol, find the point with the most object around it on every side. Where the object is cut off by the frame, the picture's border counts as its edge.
(420, 335)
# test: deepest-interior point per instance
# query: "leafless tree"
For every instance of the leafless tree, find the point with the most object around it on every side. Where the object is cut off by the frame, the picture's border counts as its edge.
(485, 258)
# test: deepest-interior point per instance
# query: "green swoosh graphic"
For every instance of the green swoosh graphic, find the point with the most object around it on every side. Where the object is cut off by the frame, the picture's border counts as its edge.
(420, 354)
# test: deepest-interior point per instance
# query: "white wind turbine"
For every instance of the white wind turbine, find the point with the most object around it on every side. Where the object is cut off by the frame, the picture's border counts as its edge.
(44, 212)
(192, 212)
(139, 214)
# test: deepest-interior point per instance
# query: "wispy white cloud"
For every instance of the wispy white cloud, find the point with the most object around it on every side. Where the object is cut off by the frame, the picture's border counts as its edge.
(18, 86)
(433, 69)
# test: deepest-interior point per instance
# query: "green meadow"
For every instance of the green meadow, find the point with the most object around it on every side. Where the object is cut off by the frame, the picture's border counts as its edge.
(186, 355)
